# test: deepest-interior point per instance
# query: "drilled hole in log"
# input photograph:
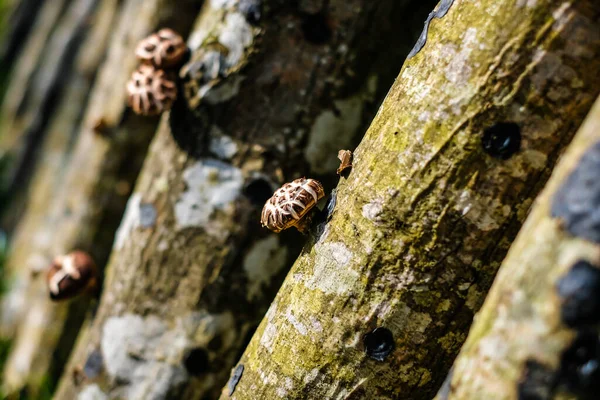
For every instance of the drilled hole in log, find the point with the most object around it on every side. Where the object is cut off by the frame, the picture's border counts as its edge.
(580, 366)
(502, 140)
(258, 191)
(379, 343)
(316, 28)
(196, 361)
(579, 290)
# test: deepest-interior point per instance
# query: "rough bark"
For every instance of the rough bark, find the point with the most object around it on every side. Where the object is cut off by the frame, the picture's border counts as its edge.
(425, 217)
(85, 211)
(537, 330)
(192, 272)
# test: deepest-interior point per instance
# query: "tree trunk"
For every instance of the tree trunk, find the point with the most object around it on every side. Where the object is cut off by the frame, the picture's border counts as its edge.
(379, 303)
(192, 271)
(537, 330)
(84, 212)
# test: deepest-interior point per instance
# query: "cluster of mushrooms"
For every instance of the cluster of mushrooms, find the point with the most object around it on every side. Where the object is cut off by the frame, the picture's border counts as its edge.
(152, 88)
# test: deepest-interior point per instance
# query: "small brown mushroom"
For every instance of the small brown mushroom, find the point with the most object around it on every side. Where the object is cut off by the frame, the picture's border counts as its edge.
(163, 49)
(71, 274)
(345, 157)
(290, 205)
(150, 91)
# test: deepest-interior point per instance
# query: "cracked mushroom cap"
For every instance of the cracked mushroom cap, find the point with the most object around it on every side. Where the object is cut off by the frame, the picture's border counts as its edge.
(150, 91)
(71, 274)
(290, 204)
(163, 49)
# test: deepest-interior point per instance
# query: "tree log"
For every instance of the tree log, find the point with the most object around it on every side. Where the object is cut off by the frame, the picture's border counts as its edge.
(86, 210)
(191, 263)
(536, 336)
(379, 303)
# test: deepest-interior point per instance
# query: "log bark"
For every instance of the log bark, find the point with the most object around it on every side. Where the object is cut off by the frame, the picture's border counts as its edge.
(536, 335)
(379, 302)
(85, 211)
(191, 262)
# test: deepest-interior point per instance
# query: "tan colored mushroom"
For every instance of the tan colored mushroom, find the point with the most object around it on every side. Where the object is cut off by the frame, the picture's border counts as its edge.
(163, 49)
(150, 91)
(71, 274)
(290, 205)
(345, 157)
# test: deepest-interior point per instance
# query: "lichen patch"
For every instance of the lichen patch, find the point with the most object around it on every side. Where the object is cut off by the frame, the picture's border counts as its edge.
(264, 260)
(131, 220)
(211, 185)
(135, 348)
(333, 272)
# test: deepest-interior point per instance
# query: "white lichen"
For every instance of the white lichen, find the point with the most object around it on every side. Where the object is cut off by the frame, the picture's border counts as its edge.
(92, 392)
(145, 354)
(222, 145)
(130, 221)
(333, 271)
(291, 318)
(264, 260)
(211, 185)
(236, 36)
(373, 210)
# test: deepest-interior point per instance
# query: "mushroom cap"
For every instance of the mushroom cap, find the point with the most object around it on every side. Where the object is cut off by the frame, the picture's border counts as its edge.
(291, 203)
(163, 49)
(150, 91)
(71, 274)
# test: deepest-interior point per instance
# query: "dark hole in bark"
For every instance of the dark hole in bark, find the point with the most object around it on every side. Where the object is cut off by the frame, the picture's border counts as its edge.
(580, 366)
(258, 191)
(196, 361)
(316, 28)
(379, 343)
(579, 290)
(537, 382)
(502, 140)
(251, 10)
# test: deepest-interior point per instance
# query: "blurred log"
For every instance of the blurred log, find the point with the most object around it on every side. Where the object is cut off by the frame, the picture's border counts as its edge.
(16, 19)
(536, 336)
(379, 303)
(85, 211)
(192, 271)
(30, 203)
(34, 85)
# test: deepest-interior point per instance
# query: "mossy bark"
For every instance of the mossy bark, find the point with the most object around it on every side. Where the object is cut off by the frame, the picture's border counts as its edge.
(425, 217)
(84, 211)
(191, 263)
(544, 303)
